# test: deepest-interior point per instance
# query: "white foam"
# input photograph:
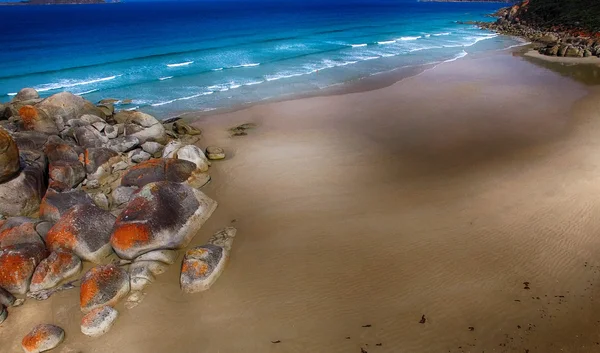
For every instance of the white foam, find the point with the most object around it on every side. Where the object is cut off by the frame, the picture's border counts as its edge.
(409, 38)
(246, 65)
(517, 45)
(86, 92)
(12, 94)
(253, 83)
(180, 99)
(358, 45)
(370, 58)
(180, 64)
(72, 83)
(427, 35)
(458, 56)
(165, 78)
(442, 34)
(218, 69)
(386, 42)
(134, 108)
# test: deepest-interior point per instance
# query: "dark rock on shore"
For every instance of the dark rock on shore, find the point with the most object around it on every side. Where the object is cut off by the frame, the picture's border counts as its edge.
(103, 285)
(532, 20)
(84, 229)
(142, 226)
(60, 265)
(154, 170)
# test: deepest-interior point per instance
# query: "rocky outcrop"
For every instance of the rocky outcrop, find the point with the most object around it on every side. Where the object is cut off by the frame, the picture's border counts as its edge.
(34, 119)
(55, 203)
(20, 230)
(142, 226)
(543, 23)
(142, 126)
(43, 338)
(26, 94)
(65, 106)
(203, 264)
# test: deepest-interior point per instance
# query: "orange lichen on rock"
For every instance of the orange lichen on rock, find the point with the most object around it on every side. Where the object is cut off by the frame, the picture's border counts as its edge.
(62, 235)
(29, 115)
(12, 269)
(88, 291)
(198, 268)
(126, 236)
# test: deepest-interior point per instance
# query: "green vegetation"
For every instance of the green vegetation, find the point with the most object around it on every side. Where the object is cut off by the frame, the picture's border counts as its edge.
(584, 14)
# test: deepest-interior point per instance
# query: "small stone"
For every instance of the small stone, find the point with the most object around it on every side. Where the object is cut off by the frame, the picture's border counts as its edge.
(122, 165)
(111, 132)
(203, 265)
(122, 194)
(215, 153)
(140, 156)
(183, 128)
(43, 338)
(98, 321)
(195, 155)
(103, 285)
(101, 201)
(152, 147)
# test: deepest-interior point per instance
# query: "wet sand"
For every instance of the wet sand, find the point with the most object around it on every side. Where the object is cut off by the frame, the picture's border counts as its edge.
(357, 214)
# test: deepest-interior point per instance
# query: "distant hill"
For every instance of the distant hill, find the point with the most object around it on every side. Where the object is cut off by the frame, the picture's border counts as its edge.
(571, 14)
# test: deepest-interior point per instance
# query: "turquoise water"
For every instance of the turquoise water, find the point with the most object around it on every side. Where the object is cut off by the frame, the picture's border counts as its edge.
(173, 57)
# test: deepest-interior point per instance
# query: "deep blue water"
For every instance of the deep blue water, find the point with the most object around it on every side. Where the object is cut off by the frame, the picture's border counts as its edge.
(171, 57)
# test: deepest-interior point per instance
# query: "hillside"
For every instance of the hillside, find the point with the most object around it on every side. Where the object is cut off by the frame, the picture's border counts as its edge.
(567, 14)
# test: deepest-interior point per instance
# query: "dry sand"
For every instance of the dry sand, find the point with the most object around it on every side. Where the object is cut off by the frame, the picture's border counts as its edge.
(439, 196)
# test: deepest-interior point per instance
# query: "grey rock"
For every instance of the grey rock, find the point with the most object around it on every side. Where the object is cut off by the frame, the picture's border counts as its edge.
(89, 137)
(6, 298)
(152, 147)
(139, 156)
(99, 126)
(3, 313)
(98, 321)
(123, 144)
(111, 132)
(151, 129)
(26, 94)
(59, 266)
(102, 286)
(195, 155)
(165, 256)
(170, 150)
(65, 106)
(101, 201)
(122, 194)
(117, 167)
(202, 265)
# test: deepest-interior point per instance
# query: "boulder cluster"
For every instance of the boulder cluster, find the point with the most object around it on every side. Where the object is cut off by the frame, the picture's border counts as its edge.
(551, 41)
(81, 182)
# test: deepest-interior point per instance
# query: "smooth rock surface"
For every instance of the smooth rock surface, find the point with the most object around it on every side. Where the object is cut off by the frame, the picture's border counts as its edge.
(142, 226)
(57, 267)
(103, 285)
(98, 321)
(150, 129)
(21, 195)
(43, 338)
(26, 94)
(6, 298)
(195, 155)
(65, 106)
(85, 230)
(34, 119)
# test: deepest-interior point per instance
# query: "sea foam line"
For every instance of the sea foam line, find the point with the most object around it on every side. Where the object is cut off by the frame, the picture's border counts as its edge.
(458, 56)
(386, 42)
(246, 65)
(86, 92)
(181, 99)
(180, 64)
(442, 34)
(68, 84)
(165, 78)
(409, 38)
(358, 45)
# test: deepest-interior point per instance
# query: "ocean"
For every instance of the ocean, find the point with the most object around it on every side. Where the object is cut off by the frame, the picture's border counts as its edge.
(175, 57)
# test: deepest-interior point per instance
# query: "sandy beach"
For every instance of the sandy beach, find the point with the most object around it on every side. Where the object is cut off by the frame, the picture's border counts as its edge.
(467, 195)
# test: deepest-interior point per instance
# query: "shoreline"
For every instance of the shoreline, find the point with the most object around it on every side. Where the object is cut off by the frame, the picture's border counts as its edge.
(357, 215)
(373, 82)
